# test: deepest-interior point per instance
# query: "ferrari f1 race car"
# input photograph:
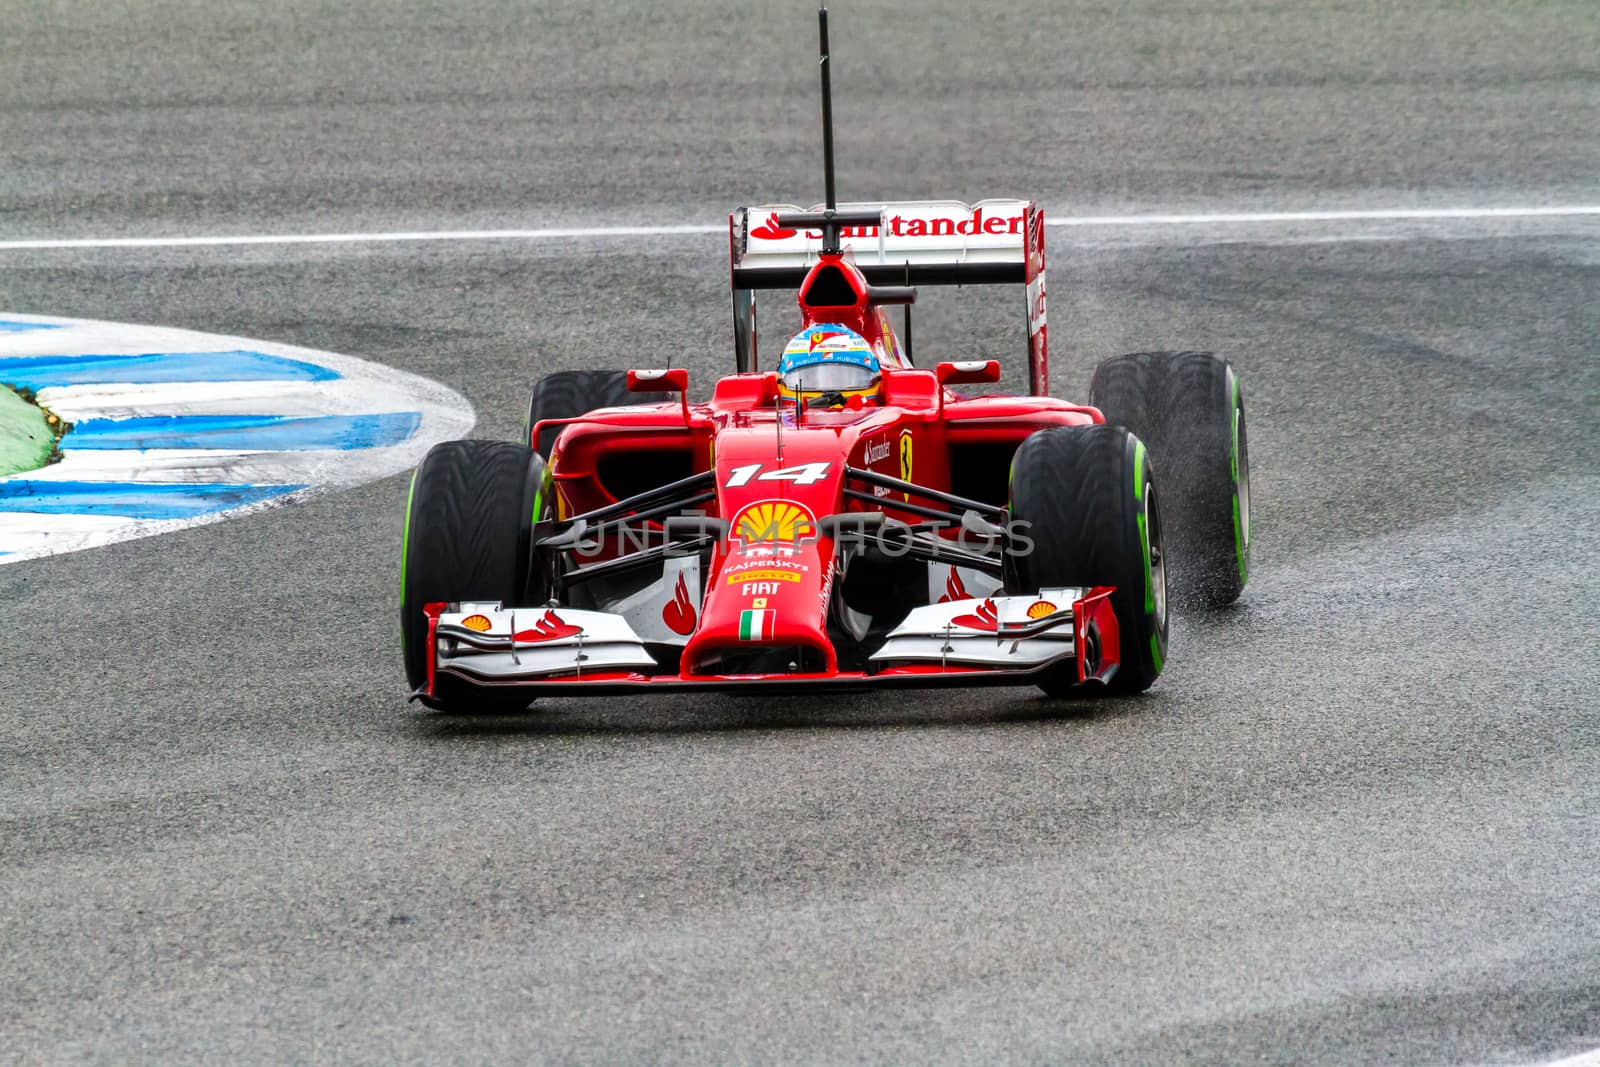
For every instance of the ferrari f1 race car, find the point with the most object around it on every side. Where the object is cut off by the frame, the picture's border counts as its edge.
(842, 518)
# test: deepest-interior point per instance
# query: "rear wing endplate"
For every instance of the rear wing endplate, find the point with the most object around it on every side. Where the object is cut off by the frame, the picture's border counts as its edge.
(929, 242)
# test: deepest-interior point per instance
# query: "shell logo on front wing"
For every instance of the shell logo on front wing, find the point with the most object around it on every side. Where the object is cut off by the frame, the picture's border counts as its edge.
(1040, 608)
(774, 520)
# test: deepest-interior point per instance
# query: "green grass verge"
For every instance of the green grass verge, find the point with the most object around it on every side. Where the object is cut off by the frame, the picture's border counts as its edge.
(28, 433)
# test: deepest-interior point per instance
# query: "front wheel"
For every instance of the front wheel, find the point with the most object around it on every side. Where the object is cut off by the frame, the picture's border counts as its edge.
(1089, 498)
(467, 536)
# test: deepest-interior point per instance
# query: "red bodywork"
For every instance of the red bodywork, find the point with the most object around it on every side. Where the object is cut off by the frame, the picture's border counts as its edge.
(779, 471)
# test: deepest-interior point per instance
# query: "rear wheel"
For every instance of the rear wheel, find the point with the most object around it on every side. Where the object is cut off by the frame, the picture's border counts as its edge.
(467, 537)
(1089, 498)
(1188, 407)
(566, 394)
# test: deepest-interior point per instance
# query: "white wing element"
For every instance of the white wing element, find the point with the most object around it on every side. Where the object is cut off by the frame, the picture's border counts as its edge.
(485, 642)
(974, 632)
(918, 232)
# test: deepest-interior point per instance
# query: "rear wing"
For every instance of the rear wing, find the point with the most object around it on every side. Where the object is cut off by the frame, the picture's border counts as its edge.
(929, 242)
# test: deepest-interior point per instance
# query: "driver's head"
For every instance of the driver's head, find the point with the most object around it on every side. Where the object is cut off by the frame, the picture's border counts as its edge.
(827, 365)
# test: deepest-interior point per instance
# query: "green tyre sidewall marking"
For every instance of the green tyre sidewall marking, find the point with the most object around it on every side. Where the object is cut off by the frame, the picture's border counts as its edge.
(405, 550)
(545, 481)
(1233, 463)
(1233, 470)
(1156, 659)
(1144, 534)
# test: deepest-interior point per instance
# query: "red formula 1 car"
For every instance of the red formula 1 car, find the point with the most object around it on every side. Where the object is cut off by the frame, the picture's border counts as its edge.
(791, 532)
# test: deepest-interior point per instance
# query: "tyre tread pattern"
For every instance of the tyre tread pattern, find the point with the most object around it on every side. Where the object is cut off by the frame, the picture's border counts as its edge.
(1075, 486)
(467, 533)
(1181, 405)
(566, 394)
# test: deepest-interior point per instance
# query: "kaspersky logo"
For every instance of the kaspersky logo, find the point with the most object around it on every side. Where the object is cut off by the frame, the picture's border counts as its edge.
(773, 520)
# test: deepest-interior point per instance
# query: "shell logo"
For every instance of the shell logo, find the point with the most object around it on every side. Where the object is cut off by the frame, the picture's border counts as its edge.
(774, 520)
(479, 623)
(1040, 608)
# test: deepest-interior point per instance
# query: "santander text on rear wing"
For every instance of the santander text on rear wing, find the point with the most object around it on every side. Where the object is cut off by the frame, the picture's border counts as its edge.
(928, 242)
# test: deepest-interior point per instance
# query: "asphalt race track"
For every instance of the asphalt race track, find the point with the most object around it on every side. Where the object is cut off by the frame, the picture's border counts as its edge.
(1357, 820)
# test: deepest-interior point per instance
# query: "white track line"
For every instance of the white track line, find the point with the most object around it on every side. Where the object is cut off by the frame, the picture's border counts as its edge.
(603, 232)
(1423, 214)
(1583, 1059)
(1264, 218)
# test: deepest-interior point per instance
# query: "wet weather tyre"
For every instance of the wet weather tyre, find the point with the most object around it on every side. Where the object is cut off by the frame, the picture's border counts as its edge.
(467, 537)
(566, 394)
(1188, 408)
(1089, 498)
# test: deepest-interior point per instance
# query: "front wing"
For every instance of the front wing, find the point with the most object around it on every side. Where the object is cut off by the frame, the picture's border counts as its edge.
(999, 640)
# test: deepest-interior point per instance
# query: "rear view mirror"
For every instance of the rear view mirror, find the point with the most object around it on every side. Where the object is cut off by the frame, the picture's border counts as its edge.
(968, 372)
(675, 380)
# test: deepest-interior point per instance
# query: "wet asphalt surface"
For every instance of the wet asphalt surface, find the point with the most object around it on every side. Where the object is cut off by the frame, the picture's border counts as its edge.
(1358, 818)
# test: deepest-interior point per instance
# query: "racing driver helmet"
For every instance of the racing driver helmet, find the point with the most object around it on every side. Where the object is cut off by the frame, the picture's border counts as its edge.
(829, 365)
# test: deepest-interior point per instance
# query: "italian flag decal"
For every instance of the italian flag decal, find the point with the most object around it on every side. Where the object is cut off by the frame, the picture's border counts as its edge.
(756, 625)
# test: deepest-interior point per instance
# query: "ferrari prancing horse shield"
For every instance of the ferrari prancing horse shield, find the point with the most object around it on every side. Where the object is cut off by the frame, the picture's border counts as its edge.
(905, 458)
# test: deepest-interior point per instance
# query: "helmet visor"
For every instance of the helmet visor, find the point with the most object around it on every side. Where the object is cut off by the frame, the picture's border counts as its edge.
(829, 378)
